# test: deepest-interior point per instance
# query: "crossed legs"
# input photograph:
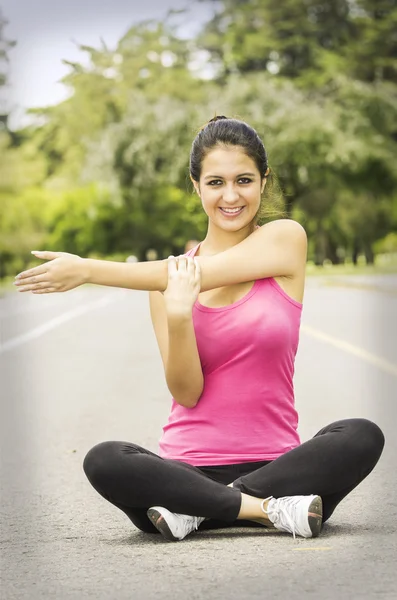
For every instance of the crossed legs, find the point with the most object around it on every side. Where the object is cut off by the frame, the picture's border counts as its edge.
(330, 465)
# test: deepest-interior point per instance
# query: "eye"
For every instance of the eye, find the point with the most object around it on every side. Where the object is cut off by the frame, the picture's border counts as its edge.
(245, 180)
(214, 182)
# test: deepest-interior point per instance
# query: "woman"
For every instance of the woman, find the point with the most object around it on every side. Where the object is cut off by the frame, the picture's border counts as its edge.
(227, 324)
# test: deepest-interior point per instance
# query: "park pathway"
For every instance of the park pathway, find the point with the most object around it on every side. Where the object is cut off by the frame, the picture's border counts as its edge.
(83, 367)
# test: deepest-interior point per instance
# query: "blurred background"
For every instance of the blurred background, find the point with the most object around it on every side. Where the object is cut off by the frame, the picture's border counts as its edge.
(100, 102)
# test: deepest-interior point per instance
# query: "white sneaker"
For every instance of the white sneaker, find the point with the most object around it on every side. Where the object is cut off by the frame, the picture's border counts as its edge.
(299, 515)
(173, 526)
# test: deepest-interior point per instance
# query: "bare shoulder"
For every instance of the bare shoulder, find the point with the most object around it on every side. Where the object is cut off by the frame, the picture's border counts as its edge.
(287, 236)
(290, 237)
(286, 230)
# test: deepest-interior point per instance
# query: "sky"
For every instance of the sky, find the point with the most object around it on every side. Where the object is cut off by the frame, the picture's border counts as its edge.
(46, 31)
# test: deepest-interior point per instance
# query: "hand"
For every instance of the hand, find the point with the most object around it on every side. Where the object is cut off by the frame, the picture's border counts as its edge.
(184, 279)
(64, 272)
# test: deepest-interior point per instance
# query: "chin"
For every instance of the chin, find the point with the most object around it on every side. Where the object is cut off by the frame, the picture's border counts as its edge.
(236, 226)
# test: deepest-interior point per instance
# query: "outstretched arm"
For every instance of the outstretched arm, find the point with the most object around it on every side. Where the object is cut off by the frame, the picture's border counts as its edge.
(275, 249)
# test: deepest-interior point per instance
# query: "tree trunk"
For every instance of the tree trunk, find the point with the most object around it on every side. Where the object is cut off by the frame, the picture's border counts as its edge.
(332, 253)
(369, 253)
(320, 246)
(355, 252)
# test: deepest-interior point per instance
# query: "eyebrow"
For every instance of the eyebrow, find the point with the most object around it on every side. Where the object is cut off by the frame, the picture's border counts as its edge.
(220, 176)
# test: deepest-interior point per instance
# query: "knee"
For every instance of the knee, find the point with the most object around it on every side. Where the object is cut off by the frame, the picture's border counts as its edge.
(369, 438)
(98, 461)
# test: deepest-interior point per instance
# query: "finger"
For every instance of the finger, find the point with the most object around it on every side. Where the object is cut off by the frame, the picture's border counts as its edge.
(197, 274)
(197, 267)
(190, 265)
(182, 263)
(172, 267)
(34, 286)
(32, 272)
(31, 280)
(45, 255)
(45, 291)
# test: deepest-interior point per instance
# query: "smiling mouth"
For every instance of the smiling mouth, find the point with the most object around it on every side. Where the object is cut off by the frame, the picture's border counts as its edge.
(231, 212)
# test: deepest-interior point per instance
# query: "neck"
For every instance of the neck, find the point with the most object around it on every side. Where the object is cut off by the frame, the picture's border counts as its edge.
(219, 240)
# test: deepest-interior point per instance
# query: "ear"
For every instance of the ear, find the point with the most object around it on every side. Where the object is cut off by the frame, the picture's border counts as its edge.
(196, 186)
(265, 180)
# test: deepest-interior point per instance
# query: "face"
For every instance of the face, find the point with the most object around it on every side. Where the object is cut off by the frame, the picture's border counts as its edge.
(230, 188)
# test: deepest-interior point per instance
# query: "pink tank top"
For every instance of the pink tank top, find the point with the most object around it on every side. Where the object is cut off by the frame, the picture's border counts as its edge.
(246, 412)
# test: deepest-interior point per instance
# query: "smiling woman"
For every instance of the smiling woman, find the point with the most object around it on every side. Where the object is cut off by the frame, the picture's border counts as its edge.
(236, 194)
(226, 316)
(235, 137)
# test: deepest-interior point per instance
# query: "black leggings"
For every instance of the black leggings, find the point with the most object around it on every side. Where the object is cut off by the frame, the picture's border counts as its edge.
(330, 465)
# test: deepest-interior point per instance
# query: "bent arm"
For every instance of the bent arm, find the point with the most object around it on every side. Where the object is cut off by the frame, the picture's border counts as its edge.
(183, 371)
(275, 249)
(176, 339)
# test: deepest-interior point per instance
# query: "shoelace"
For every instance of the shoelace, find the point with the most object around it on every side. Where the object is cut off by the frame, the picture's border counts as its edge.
(195, 522)
(279, 511)
(187, 522)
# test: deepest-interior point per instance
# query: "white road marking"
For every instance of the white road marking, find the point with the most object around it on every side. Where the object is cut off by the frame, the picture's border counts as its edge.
(318, 549)
(377, 361)
(53, 323)
(381, 363)
(27, 304)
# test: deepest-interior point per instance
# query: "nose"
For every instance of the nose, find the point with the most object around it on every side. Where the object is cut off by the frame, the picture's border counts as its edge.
(230, 194)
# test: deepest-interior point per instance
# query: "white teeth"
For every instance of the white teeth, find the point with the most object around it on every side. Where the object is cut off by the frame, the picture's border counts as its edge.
(232, 210)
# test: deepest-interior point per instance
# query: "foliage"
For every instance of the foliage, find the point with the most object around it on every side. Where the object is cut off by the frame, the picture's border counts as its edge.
(105, 172)
(295, 38)
(5, 46)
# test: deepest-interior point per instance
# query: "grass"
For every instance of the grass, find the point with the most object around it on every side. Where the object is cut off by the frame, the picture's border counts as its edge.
(349, 269)
(6, 285)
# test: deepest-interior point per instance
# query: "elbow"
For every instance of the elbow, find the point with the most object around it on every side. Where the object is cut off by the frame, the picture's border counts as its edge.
(186, 402)
(187, 399)
(186, 392)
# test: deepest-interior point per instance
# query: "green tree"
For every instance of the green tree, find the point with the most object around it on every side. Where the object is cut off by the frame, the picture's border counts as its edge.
(285, 38)
(144, 161)
(106, 171)
(149, 59)
(5, 46)
(372, 52)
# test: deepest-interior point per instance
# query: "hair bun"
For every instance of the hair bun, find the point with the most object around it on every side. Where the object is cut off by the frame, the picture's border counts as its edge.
(217, 118)
(213, 120)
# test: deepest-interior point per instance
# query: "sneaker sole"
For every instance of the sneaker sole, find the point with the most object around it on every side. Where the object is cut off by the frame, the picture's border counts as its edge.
(316, 516)
(161, 524)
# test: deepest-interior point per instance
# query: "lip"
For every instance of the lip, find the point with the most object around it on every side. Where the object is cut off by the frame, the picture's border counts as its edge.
(233, 214)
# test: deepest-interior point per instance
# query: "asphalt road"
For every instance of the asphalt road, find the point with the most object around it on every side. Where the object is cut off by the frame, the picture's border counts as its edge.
(83, 367)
